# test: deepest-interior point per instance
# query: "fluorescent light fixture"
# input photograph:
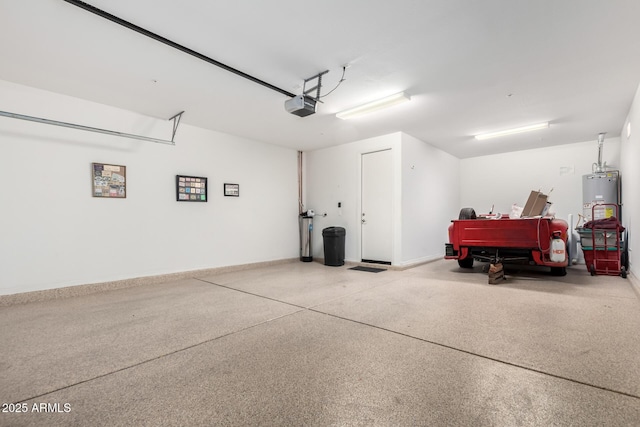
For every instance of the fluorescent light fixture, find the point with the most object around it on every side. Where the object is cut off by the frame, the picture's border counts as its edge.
(512, 131)
(372, 106)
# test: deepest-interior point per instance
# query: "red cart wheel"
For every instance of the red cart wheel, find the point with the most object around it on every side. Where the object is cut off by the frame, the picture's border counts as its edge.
(592, 269)
(623, 272)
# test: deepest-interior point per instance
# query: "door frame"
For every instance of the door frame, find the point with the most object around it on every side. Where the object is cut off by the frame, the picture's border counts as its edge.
(395, 201)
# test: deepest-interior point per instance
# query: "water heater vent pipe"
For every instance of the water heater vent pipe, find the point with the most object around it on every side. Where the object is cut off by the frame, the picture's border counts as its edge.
(599, 167)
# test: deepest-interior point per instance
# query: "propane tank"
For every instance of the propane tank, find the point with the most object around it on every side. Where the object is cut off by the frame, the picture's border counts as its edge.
(558, 251)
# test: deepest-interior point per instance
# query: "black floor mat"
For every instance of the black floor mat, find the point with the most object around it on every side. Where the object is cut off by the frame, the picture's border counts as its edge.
(368, 269)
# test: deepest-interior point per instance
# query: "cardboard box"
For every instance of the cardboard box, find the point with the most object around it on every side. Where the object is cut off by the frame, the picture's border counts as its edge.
(536, 205)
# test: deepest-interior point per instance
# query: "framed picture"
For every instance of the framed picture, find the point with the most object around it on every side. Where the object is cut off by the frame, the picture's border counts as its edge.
(232, 190)
(191, 188)
(109, 181)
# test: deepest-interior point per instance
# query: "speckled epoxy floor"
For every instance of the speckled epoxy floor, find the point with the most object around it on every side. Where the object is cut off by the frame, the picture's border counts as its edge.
(305, 344)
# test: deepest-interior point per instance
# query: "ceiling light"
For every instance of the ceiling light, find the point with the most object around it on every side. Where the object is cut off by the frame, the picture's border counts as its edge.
(370, 107)
(512, 131)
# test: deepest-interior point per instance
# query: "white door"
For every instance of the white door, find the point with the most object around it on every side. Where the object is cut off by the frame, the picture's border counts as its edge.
(377, 209)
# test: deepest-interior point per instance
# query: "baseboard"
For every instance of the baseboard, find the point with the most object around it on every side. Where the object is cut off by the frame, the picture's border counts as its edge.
(635, 283)
(420, 261)
(404, 266)
(92, 288)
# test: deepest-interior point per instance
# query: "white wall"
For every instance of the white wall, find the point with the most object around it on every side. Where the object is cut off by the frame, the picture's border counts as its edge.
(505, 179)
(426, 183)
(334, 175)
(53, 233)
(630, 177)
(430, 199)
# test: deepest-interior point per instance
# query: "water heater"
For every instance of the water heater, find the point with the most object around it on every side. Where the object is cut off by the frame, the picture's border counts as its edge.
(599, 188)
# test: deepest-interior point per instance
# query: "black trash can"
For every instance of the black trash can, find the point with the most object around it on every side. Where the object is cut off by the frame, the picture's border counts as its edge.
(333, 238)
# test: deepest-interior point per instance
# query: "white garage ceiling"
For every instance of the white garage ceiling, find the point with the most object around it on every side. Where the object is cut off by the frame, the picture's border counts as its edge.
(469, 66)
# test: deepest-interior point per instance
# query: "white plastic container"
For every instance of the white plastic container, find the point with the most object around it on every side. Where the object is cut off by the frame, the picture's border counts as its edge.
(558, 251)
